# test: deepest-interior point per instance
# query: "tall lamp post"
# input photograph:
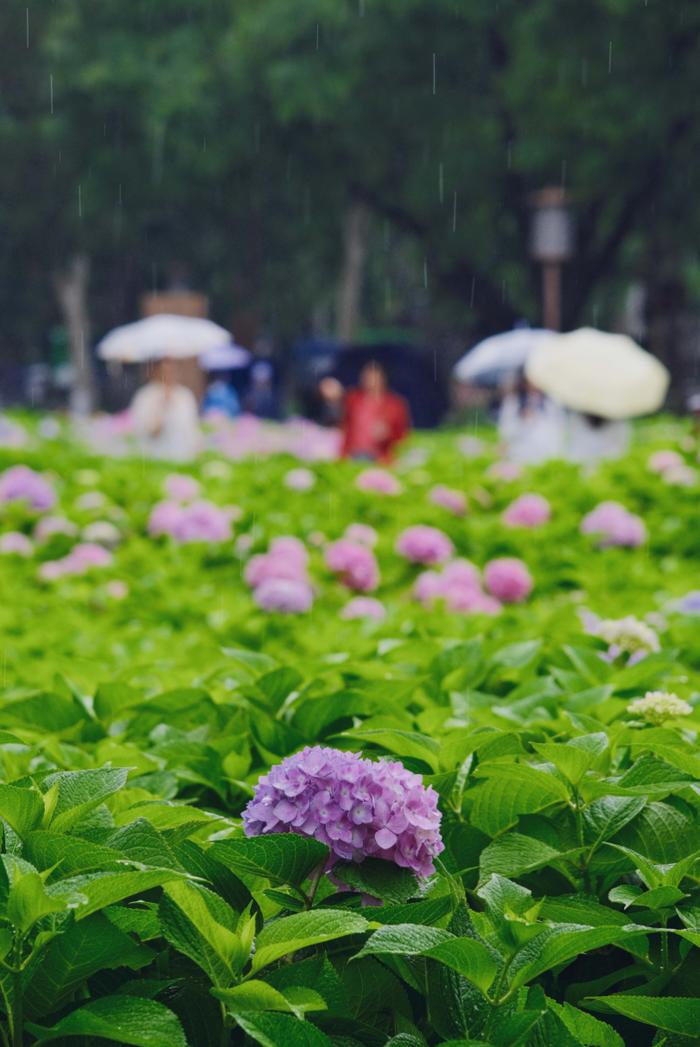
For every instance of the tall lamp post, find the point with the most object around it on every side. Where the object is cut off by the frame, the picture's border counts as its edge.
(551, 244)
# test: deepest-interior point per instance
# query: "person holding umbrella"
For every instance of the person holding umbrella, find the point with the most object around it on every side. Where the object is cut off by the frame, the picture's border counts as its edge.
(375, 420)
(602, 380)
(165, 415)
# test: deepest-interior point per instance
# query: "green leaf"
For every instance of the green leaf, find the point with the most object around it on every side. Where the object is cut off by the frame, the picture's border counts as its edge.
(283, 858)
(467, 957)
(588, 1030)
(278, 684)
(403, 743)
(378, 878)
(114, 698)
(70, 854)
(21, 808)
(512, 790)
(515, 854)
(203, 927)
(517, 655)
(606, 816)
(403, 939)
(98, 890)
(254, 995)
(84, 949)
(289, 933)
(676, 1014)
(281, 1030)
(125, 1020)
(560, 945)
(29, 901)
(79, 792)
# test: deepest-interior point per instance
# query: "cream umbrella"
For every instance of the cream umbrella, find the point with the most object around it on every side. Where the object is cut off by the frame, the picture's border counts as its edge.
(490, 362)
(162, 335)
(597, 373)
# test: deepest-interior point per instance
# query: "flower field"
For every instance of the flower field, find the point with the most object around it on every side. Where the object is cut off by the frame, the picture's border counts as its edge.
(309, 753)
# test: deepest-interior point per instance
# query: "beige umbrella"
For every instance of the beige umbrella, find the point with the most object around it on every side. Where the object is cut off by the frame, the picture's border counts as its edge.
(599, 373)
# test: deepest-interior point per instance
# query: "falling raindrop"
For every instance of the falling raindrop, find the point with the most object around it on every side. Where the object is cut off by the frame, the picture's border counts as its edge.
(610, 50)
(454, 211)
(51, 92)
(441, 182)
(27, 25)
(471, 296)
(318, 35)
(425, 273)
(434, 73)
(80, 200)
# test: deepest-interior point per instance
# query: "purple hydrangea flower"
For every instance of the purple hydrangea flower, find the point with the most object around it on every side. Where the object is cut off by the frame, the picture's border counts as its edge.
(284, 596)
(381, 481)
(614, 525)
(423, 544)
(181, 488)
(690, 603)
(20, 483)
(448, 498)
(14, 542)
(355, 563)
(358, 808)
(529, 510)
(508, 579)
(364, 607)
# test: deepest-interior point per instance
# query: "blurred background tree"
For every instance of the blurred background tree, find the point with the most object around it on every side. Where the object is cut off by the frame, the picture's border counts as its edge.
(324, 165)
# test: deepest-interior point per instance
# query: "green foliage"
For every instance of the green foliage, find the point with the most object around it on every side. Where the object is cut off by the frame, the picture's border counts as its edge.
(565, 906)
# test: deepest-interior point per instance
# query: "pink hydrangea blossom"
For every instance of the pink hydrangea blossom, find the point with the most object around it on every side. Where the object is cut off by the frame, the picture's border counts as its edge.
(164, 518)
(362, 533)
(681, 476)
(508, 579)
(284, 596)
(449, 498)
(117, 589)
(423, 544)
(264, 566)
(83, 557)
(614, 525)
(381, 481)
(200, 521)
(48, 526)
(357, 807)
(505, 470)
(19, 483)
(466, 600)
(364, 607)
(662, 461)
(458, 587)
(355, 563)
(428, 587)
(299, 479)
(16, 543)
(529, 510)
(181, 488)
(291, 548)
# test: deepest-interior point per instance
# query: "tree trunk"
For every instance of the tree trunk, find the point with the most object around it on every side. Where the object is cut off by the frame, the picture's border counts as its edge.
(71, 285)
(355, 237)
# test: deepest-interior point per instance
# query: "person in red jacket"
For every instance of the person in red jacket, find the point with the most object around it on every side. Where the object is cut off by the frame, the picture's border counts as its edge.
(374, 418)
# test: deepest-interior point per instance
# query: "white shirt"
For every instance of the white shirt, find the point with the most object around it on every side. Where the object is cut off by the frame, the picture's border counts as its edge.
(589, 444)
(534, 434)
(166, 421)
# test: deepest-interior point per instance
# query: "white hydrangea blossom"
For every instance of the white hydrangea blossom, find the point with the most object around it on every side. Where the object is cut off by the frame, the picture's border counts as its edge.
(658, 706)
(628, 634)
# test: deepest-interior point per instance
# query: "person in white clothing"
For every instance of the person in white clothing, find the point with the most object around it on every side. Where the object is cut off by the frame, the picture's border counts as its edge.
(591, 439)
(165, 416)
(530, 425)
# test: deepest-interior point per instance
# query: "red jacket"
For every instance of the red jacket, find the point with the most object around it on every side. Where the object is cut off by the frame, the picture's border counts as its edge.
(373, 425)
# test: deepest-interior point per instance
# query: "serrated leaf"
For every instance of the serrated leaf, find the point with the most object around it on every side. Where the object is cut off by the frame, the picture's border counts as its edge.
(281, 1030)
(515, 854)
(203, 927)
(559, 945)
(510, 791)
(20, 808)
(586, 1029)
(380, 879)
(125, 1020)
(79, 792)
(283, 858)
(676, 1014)
(289, 933)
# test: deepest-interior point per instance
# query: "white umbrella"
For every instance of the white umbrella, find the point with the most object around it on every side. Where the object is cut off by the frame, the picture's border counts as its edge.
(163, 335)
(598, 373)
(491, 359)
(224, 358)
